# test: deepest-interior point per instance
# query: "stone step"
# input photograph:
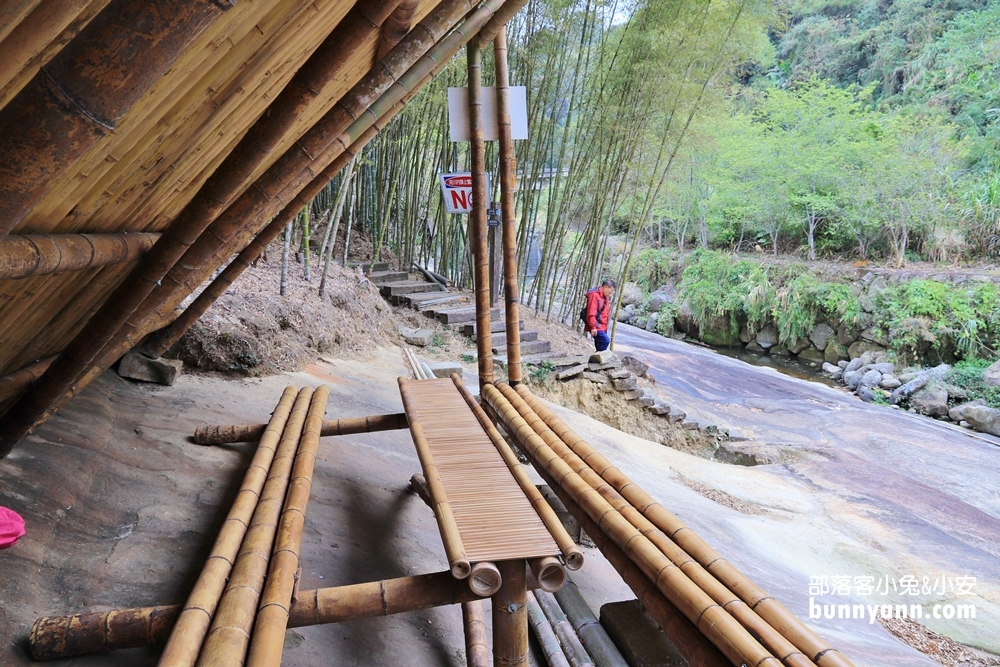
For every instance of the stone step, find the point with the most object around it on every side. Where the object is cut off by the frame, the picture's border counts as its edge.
(447, 302)
(407, 287)
(500, 338)
(528, 349)
(382, 277)
(495, 326)
(533, 359)
(368, 266)
(461, 315)
(416, 300)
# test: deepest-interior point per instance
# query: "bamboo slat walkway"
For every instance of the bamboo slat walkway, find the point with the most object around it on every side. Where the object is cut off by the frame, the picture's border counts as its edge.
(495, 520)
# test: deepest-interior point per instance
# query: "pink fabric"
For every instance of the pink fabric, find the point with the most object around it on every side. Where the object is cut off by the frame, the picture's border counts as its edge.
(11, 527)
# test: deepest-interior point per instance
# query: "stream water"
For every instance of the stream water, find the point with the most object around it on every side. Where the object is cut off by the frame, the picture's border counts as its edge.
(786, 365)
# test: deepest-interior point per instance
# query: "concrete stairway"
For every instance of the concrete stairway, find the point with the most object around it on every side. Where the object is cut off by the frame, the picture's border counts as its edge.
(456, 309)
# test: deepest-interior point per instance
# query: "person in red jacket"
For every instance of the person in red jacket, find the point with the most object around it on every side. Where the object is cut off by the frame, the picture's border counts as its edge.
(596, 313)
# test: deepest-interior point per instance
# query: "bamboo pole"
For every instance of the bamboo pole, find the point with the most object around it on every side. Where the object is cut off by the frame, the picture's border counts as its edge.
(477, 218)
(498, 21)
(510, 616)
(769, 609)
(198, 611)
(546, 636)
(227, 638)
(724, 631)
(23, 255)
(570, 551)
(276, 600)
(548, 572)
(219, 435)
(453, 547)
(85, 90)
(588, 627)
(485, 579)
(508, 212)
(396, 27)
(771, 638)
(129, 301)
(55, 637)
(692, 644)
(572, 646)
(13, 384)
(477, 652)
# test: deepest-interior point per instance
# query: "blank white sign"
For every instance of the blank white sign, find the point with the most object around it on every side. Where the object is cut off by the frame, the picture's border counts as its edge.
(458, 113)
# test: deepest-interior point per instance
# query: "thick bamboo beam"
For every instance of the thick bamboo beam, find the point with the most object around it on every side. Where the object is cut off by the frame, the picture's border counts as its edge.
(453, 548)
(13, 384)
(771, 639)
(546, 636)
(570, 551)
(198, 611)
(769, 609)
(498, 21)
(272, 617)
(572, 646)
(477, 218)
(23, 255)
(548, 572)
(229, 634)
(396, 27)
(101, 335)
(508, 212)
(477, 652)
(219, 435)
(510, 616)
(54, 637)
(724, 631)
(81, 94)
(588, 627)
(485, 579)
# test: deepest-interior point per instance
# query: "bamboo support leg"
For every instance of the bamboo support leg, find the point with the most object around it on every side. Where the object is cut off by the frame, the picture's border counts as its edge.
(477, 218)
(510, 616)
(200, 607)
(477, 652)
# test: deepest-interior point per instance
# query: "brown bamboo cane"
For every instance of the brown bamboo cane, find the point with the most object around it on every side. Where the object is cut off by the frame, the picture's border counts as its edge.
(219, 435)
(570, 551)
(549, 573)
(450, 537)
(691, 643)
(572, 646)
(510, 616)
(772, 611)
(83, 92)
(272, 615)
(227, 638)
(773, 640)
(129, 302)
(546, 636)
(498, 21)
(13, 384)
(68, 636)
(396, 26)
(23, 255)
(485, 579)
(724, 631)
(508, 211)
(190, 630)
(477, 218)
(477, 651)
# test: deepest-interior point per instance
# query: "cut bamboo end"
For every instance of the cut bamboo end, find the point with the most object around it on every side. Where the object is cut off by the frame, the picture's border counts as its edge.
(549, 573)
(485, 579)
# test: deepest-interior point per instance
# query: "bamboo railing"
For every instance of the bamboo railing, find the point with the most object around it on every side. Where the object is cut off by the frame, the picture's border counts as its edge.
(23, 255)
(13, 384)
(219, 435)
(477, 651)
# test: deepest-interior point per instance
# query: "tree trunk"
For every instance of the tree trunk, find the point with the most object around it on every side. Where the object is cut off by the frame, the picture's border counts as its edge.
(284, 259)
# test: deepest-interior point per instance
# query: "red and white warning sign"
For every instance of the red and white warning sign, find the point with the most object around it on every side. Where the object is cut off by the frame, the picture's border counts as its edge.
(457, 190)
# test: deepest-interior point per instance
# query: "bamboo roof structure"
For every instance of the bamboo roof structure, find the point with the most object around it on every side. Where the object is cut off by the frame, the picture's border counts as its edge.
(159, 120)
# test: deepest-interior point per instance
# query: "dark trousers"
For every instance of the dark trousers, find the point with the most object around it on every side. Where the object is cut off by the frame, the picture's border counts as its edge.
(602, 340)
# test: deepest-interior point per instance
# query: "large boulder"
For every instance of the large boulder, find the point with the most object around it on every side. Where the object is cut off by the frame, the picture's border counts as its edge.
(846, 334)
(821, 334)
(651, 322)
(834, 351)
(721, 332)
(797, 346)
(866, 394)
(767, 337)
(811, 356)
(137, 366)
(957, 413)
(686, 321)
(852, 379)
(858, 348)
(992, 374)
(632, 294)
(931, 401)
(889, 382)
(872, 379)
(661, 297)
(983, 418)
(908, 389)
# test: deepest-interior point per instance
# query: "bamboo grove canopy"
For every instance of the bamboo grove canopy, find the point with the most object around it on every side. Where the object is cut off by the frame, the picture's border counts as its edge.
(144, 144)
